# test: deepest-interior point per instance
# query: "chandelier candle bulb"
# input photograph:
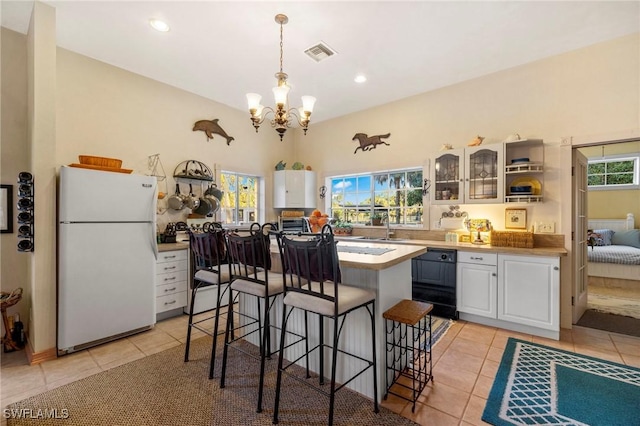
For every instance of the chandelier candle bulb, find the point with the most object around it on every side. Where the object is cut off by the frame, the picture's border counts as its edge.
(253, 99)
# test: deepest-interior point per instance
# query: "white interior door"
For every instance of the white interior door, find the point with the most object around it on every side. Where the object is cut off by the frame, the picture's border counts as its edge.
(580, 271)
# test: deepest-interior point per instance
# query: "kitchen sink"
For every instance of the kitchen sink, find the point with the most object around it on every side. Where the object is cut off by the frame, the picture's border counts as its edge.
(391, 239)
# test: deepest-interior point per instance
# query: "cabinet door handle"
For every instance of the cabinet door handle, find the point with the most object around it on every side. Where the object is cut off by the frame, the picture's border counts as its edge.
(170, 303)
(169, 289)
(169, 267)
(555, 268)
(494, 274)
(170, 278)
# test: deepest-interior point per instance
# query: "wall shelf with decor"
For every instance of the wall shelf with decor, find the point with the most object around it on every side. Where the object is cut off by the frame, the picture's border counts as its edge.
(524, 171)
(26, 209)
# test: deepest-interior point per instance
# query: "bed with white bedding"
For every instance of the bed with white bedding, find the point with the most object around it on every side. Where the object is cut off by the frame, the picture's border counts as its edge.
(611, 260)
(620, 255)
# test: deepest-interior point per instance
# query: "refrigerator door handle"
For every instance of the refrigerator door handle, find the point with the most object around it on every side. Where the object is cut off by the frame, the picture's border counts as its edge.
(154, 240)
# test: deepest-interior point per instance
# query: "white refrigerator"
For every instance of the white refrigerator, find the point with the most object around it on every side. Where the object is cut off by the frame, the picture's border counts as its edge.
(106, 256)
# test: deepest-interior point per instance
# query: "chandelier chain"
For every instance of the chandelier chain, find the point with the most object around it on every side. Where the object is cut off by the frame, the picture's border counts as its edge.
(281, 45)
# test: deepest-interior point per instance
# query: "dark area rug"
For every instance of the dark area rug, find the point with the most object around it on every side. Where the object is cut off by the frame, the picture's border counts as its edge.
(539, 385)
(610, 322)
(161, 389)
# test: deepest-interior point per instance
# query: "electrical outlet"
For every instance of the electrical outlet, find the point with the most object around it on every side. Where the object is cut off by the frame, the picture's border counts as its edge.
(546, 227)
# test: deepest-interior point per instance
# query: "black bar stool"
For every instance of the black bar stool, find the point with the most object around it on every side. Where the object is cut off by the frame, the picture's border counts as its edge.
(313, 285)
(209, 254)
(250, 268)
(408, 329)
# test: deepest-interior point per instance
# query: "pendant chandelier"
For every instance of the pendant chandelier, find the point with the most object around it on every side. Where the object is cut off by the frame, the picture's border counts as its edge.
(281, 116)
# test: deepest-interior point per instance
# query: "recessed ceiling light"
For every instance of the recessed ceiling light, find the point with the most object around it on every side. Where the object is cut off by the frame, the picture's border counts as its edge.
(360, 78)
(159, 25)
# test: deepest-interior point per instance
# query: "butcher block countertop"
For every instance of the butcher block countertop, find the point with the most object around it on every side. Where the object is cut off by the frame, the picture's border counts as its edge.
(484, 248)
(401, 250)
(488, 248)
(173, 246)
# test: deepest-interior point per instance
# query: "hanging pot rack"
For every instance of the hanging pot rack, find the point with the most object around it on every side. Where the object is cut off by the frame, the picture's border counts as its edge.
(193, 169)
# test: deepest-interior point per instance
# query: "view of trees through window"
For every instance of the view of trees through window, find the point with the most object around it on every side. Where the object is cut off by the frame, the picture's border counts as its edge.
(240, 200)
(396, 195)
(612, 172)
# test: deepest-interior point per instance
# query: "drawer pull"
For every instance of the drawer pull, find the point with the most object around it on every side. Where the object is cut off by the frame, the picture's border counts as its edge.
(169, 289)
(169, 267)
(170, 278)
(170, 257)
(170, 303)
(475, 258)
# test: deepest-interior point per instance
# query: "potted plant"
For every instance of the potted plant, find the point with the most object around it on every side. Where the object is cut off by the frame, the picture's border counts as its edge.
(342, 228)
(376, 219)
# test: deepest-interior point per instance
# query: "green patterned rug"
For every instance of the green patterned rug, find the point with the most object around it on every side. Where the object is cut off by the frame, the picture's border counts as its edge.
(539, 385)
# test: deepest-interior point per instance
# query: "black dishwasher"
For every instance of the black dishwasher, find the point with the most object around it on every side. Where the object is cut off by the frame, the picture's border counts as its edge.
(433, 276)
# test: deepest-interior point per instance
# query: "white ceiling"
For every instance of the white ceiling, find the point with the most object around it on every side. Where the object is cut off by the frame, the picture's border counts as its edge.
(224, 49)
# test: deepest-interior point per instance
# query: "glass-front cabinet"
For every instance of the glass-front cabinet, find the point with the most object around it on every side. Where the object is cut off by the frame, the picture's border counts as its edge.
(472, 175)
(446, 178)
(484, 173)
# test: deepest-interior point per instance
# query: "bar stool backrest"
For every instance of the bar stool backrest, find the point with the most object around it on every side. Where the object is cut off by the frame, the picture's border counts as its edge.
(310, 263)
(209, 249)
(249, 253)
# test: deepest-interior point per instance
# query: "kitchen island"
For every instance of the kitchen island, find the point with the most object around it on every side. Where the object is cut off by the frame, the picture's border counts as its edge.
(384, 268)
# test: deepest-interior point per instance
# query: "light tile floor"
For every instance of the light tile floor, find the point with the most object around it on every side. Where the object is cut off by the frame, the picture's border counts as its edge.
(465, 363)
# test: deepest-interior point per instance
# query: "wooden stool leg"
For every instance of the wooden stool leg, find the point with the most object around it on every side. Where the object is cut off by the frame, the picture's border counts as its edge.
(7, 340)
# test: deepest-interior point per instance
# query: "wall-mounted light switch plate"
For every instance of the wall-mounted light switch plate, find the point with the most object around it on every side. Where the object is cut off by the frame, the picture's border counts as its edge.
(546, 227)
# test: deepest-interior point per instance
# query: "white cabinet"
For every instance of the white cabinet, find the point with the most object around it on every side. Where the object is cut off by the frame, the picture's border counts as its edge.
(529, 290)
(473, 175)
(477, 283)
(515, 292)
(172, 279)
(294, 189)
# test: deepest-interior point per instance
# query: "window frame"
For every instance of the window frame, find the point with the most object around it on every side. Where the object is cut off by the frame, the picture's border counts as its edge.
(259, 208)
(374, 190)
(635, 157)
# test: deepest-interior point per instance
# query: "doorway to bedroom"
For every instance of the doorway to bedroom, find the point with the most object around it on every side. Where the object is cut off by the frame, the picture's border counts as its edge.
(612, 284)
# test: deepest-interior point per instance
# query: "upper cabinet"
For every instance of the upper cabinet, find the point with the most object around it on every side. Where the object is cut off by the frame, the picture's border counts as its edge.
(473, 175)
(447, 184)
(294, 189)
(524, 171)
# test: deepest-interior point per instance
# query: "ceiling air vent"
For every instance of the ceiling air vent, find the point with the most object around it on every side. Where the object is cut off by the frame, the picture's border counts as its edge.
(320, 51)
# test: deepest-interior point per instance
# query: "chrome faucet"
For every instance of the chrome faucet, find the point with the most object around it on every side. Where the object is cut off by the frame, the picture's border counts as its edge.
(386, 219)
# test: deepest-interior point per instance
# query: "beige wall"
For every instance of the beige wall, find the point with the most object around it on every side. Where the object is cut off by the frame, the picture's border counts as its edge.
(103, 110)
(589, 94)
(41, 136)
(614, 204)
(589, 91)
(14, 158)
(107, 111)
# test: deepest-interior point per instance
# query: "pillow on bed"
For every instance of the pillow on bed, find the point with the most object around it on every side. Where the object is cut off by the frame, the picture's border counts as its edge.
(605, 236)
(627, 238)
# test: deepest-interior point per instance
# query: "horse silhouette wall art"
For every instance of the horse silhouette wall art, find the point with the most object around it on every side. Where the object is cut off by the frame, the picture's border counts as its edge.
(369, 142)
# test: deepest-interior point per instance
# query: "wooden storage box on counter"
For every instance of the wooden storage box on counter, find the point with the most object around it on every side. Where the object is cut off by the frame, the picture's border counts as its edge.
(512, 239)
